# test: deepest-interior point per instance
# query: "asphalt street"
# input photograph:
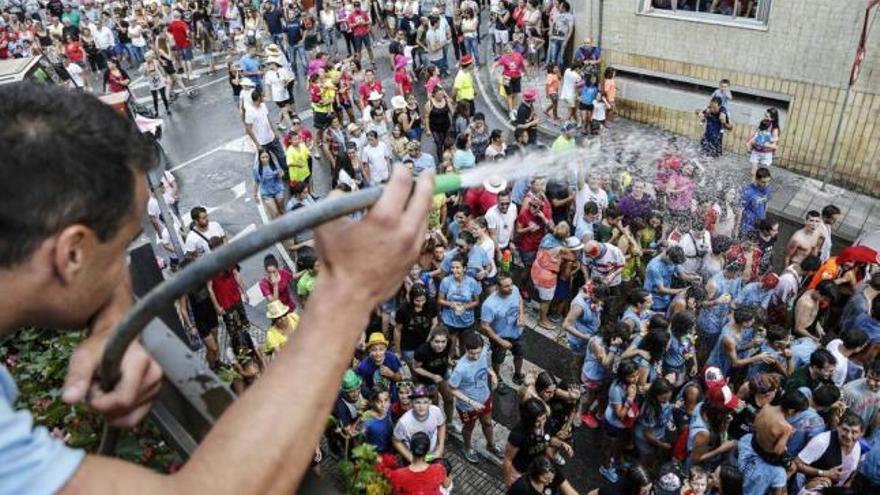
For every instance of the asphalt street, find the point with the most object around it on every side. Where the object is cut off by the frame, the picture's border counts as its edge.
(211, 158)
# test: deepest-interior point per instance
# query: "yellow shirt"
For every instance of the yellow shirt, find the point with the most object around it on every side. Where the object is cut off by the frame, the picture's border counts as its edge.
(275, 339)
(464, 86)
(298, 162)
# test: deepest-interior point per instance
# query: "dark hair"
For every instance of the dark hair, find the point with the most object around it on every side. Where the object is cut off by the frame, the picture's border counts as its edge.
(826, 395)
(762, 173)
(67, 159)
(196, 211)
(270, 260)
(543, 381)
(765, 225)
(625, 368)
(658, 322)
(730, 479)
(851, 419)
(635, 476)
(698, 292)
(495, 134)
(811, 263)
(472, 340)
(306, 258)
(724, 81)
(682, 322)
(813, 214)
(591, 208)
(829, 211)
(794, 400)
(821, 358)
(610, 72)
(853, 338)
(716, 100)
(461, 141)
(530, 411)
(420, 444)
(468, 237)
(655, 342)
(637, 296)
(720, 244)
(774, 116)
(716, 414)
(613, 212)
(539, 467)
(659, 386)
(743, 314)
(675, 255)
(775, 333)
(828, 289)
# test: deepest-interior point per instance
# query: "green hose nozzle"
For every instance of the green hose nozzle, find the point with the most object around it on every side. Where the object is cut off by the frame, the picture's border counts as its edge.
(447, 183)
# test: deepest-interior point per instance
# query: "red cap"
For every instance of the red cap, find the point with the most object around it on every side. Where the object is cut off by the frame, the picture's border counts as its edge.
(723, 396)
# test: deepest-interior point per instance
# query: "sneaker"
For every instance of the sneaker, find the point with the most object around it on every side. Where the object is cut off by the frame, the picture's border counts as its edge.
(495, 449)
(559, 460)
(589, 420)
(471, 456)
(609, 473)
(512, 114)
(193, 76)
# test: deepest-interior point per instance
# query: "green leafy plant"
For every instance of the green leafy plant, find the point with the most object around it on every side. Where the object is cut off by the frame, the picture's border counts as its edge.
(360, 473)
(37, 359)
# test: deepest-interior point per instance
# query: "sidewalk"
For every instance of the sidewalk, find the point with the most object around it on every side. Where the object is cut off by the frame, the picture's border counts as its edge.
(794, 196)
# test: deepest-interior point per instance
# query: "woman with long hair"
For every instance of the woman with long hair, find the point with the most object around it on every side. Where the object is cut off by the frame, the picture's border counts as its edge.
(438, 116)
(269, 184)
(654, 424)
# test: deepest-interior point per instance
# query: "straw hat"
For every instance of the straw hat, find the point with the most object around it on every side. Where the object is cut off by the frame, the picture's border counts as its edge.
(275, 60)
(377, 339)
(276, 309)
(574, 244)
(273, 50)
(494, 184)
(354, 127)
(398, 102)
(248, 83)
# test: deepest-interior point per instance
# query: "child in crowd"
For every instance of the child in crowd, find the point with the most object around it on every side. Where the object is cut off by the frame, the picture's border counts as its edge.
(551, 89)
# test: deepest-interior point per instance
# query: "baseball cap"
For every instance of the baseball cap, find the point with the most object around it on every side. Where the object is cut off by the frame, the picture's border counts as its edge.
(723, 396)
(669, 481)
(714, 378)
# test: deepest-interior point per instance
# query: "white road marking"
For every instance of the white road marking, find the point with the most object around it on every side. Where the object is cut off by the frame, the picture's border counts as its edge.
(243, 232)
(149, 98)
(255, 295)
(234, 145)
(239, 189)
(278, 246)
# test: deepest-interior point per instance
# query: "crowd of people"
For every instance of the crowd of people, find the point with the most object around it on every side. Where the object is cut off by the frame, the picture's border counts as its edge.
(708, 355)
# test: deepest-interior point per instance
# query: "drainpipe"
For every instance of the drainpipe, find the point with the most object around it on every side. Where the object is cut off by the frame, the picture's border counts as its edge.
(601, 16)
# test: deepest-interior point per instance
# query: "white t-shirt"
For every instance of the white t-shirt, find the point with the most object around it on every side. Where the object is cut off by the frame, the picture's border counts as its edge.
(585, 195)
(276, 83)
(408, 425)
(197, 241)
(376, 157)
(612, 260)
(569, 84)
(839, 375)
(502, 224)
(598, 110)
(695, 248)
(819, 444)
(825, 252)
(258, 117)
(488, 247)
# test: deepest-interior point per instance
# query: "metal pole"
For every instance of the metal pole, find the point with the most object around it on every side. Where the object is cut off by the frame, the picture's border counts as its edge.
(829, 167)
(154, 178)
(601, 14)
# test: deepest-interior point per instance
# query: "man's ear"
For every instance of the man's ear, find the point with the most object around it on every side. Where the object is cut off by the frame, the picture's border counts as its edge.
(70, 251)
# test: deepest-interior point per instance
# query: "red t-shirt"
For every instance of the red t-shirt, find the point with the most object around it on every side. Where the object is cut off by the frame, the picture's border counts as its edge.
(226, 289)
(75, 52)
(530, 241)
(5, 38)
(359, 22)
(366, 88)
(402, 77)
(512, 64)
(179, 30)
(427, 482)
(479, 200)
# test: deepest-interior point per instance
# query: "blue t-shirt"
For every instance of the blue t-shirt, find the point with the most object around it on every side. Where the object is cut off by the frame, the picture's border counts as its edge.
(369, 371)
(459, 292)
(424, 162)
(502, 313)
(658, 425)
(271, 184)
(616, 397)
(754, 204)
(463, 159)
(378, 432)
(659, 272)
(249, 64)
(294, 32)
(31, 461)
(477, 260)
(753, 295)
(806, 424)
(759, 476)
(870, 467)
(472, 379)
(273, 21)
(588, 94)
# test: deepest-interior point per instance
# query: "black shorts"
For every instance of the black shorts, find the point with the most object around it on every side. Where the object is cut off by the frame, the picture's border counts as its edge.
(584, 106)
(499, 353)
(205, 317)
(513, 86)
(284, 103)
(168, 67)
(361, 42)
(323, 119)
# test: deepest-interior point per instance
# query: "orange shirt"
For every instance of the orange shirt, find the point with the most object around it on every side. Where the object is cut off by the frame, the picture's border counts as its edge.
(828, 271)
(551, 84)
(610, 89)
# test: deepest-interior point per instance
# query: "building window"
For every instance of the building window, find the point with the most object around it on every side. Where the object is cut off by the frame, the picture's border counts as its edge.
(747, 12)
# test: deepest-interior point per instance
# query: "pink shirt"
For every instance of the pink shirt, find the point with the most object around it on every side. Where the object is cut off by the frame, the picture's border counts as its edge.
(512, 64)
(284, 294)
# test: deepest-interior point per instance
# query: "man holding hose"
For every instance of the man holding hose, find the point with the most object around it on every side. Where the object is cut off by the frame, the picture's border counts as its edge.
(72, 196)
